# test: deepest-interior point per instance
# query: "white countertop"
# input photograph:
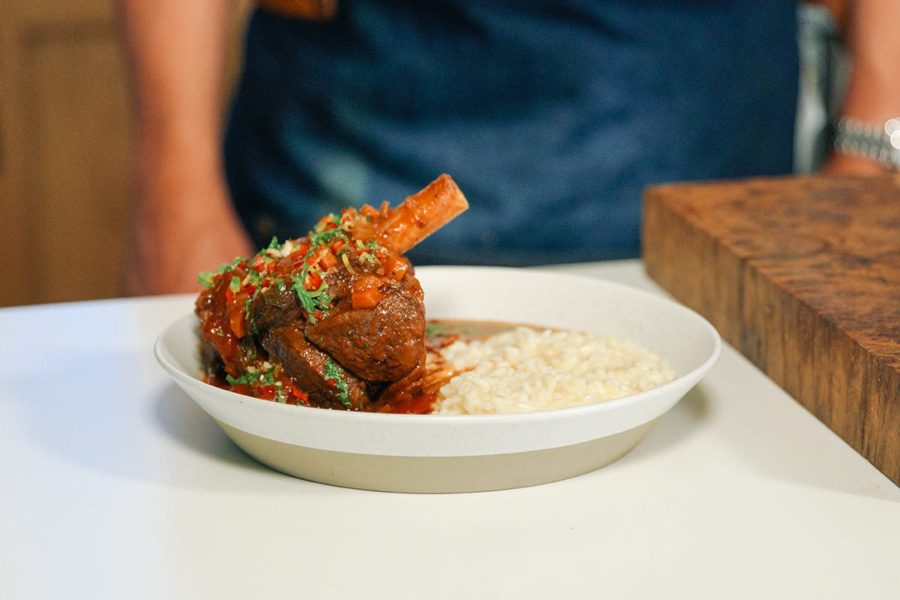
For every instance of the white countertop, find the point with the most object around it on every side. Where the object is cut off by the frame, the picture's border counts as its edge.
(115, 485)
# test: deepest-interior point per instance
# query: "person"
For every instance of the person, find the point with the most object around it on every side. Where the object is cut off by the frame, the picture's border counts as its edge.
(873, 91)
(552, 117)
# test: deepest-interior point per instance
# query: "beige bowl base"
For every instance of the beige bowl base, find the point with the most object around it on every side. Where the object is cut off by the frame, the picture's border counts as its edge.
(444, 474)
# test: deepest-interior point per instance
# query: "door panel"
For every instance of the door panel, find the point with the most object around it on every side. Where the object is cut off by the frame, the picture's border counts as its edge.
(77, 172)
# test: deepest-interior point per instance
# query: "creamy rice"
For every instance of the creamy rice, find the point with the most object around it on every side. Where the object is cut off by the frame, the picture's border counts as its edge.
(526, 370)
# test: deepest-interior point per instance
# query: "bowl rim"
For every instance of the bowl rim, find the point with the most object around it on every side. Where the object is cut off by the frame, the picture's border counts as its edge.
(690, 378)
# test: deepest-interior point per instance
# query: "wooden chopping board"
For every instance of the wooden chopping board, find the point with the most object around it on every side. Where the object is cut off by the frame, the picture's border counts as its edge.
(802, 276)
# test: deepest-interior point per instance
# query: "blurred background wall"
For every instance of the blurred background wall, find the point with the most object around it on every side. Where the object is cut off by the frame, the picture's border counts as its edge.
(65, 140)
(65, 149)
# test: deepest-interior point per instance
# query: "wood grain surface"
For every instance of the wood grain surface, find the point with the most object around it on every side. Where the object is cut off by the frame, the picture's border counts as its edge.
(802, 276)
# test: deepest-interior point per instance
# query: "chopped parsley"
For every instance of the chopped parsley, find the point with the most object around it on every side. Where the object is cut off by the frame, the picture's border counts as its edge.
(311, 301)
(268, 377)
(317, 300)
(433, 329)
(318, 238)
(368, 258)
(208, 278)
(336, 374)
(248, 308)
(245, 379)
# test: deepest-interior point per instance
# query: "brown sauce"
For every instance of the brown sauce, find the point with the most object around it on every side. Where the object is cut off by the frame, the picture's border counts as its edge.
(439, 334)
(421, 392)
(443, 332)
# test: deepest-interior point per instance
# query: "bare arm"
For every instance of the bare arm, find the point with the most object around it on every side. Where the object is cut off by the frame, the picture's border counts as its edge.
(874, 90)
(184, 222)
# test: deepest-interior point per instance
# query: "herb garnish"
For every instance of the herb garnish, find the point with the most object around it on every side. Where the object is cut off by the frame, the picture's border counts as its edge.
(316, 300)
(311, 301)
(336, 374)
(245, 379)
(208, 278)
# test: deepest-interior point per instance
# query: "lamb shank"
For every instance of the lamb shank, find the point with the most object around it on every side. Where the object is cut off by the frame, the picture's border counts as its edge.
(335, 319)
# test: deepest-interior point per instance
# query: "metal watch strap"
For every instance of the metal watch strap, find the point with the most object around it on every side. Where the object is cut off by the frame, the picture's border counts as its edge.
(880, 143)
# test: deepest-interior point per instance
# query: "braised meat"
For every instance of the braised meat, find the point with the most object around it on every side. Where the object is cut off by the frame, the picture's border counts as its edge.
(378, 343)
(335, 319)
(275, 307)
(326, 384)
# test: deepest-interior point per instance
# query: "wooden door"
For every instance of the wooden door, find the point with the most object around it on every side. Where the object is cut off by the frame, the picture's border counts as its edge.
(64, 151)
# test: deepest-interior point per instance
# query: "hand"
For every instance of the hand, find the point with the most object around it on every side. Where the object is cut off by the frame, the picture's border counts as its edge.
(184, 224)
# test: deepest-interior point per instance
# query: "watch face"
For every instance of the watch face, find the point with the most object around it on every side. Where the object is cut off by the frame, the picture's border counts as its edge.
(892, 130)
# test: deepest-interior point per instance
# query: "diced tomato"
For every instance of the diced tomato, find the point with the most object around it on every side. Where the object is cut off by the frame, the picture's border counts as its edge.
(299, 394)
(327, 261)
(313, 281)
(268, 392)
(365, 292)
(337, 245)
(326, 223)
(318, 315)
(396, 268)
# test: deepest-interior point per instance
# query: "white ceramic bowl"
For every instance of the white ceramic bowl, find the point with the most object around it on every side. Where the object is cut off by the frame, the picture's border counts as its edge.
(450, 453)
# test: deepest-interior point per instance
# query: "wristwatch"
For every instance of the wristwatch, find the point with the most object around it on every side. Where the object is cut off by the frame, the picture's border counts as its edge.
(877, 142)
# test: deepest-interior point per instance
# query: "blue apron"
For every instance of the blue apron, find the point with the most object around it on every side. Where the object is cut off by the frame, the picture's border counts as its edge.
(552, 116)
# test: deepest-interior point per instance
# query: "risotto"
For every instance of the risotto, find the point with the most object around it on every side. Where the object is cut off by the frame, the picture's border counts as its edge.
(525, 370)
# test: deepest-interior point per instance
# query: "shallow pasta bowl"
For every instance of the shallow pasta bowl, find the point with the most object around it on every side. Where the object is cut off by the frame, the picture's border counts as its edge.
(459, 453)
